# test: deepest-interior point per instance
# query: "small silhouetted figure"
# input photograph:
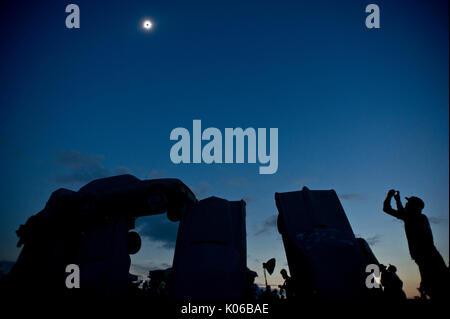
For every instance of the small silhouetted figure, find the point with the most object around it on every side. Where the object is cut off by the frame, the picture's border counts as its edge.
(433, 270)
(287, 285)
(392, 284)
(251, 287)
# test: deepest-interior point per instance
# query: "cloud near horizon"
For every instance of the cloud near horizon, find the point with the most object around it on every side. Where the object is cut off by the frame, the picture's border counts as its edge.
(437, 220)
(158, 228)
(143, 269)
(352, 196)
(373, 240)
(81, 168)
(270, 223)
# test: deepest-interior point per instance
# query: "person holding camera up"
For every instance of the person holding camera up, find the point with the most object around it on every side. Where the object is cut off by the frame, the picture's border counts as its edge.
(432, 267)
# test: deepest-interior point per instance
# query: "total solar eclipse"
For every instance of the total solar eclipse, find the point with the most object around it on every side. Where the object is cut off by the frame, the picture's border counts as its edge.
(147, 24)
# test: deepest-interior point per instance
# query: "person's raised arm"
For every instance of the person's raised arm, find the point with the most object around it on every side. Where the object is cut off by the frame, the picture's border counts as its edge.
(398, 201)
(387, 208)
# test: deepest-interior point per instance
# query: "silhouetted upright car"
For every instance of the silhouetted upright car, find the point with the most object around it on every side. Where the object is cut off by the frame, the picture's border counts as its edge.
(210, 259)
(90, 228)
(325, 259)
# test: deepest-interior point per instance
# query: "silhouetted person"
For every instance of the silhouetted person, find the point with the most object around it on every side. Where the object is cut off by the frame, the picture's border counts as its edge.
(251, 287)
(392, 284)
(433, 270)
(287, 285)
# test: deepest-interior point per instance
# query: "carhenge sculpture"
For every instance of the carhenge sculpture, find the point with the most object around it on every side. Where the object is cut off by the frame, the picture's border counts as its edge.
(90, 228)
(325, 258)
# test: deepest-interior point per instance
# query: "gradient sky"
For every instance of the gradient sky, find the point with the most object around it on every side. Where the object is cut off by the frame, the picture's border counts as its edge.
(359, 111)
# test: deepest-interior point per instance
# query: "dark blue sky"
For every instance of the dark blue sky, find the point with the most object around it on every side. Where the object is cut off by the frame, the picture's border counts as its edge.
(359, 111)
